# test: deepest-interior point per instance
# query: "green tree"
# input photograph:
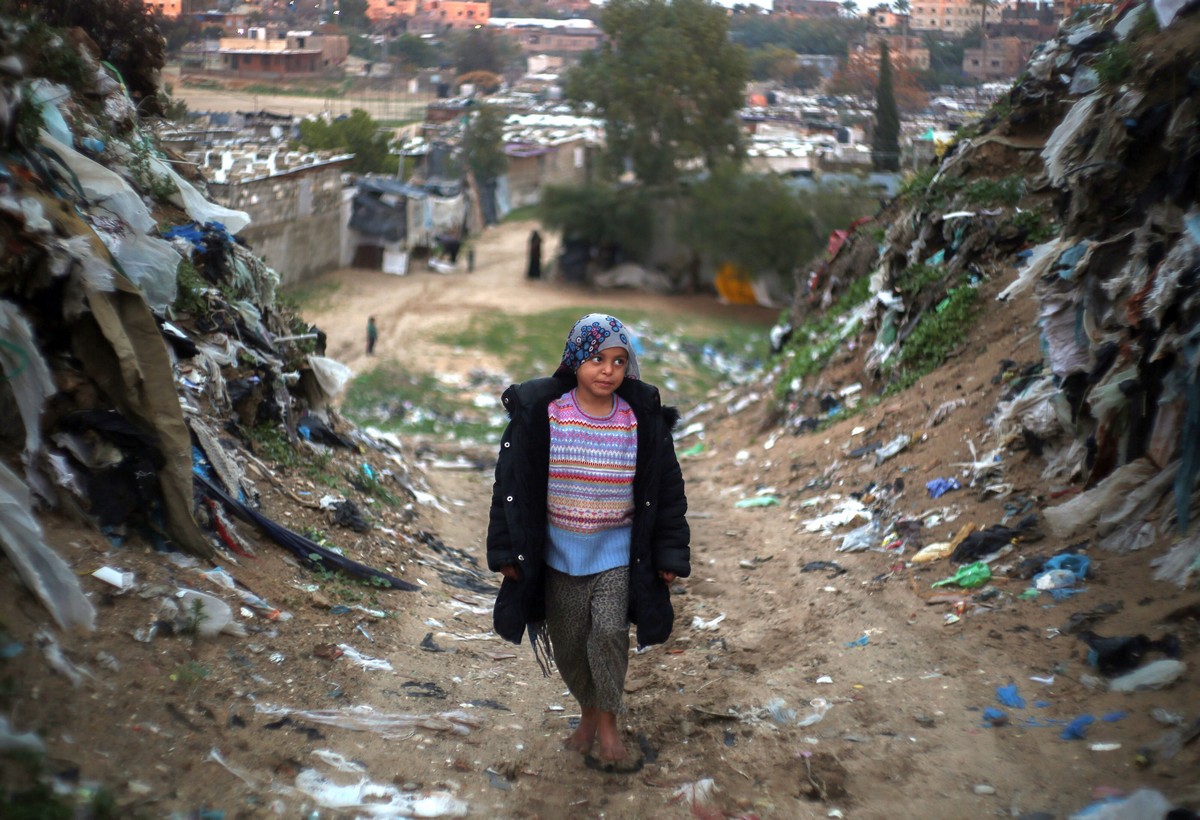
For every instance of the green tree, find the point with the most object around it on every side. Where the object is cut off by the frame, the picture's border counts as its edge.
(126, 33)
(357, 134)
(668, 83)
(483, 144)
(478, 50)
(945, 61)
(753, 221)
(411, 50)
(885, 147)
(352, 15)
(604, 216)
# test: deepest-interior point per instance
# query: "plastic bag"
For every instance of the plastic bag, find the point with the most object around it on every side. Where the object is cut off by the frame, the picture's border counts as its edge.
(41, 569)
(198, 208)
(968, 576)
(103, 186)
(331, 375)
(150, 263)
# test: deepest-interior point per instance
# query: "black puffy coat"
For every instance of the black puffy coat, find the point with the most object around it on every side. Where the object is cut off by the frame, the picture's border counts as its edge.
(517, 525)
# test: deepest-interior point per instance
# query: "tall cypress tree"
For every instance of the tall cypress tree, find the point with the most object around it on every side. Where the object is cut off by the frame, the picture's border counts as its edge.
(885, 148)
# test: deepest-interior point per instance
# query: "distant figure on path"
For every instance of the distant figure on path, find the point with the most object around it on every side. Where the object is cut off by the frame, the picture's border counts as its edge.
(372, 335)
(535, 256)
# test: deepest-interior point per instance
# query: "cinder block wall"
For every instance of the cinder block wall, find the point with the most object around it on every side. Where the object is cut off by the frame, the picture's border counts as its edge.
(297, 219)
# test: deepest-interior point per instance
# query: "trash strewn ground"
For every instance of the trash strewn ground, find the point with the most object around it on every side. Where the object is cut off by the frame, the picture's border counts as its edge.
(815, 670)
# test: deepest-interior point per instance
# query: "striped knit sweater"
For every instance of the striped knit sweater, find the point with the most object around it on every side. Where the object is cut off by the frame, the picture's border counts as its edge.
(589, 500)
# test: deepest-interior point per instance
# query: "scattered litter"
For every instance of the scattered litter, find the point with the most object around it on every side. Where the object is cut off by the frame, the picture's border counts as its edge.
(26, 742)
(709, 625)
(696, 795)
(938, 487)
(757, 501)
(378, 799)
(1155, 675)
(57, 660)
(387, 724)
(214, 754)
(863, 640)
(208, 614)
(844, 513)
(41, 569)
(1010, 697)
(892, 448)
(1077, 729)
(123, 581)
(932, 552)
(968, 576)
(1115, 655)
(1142, 804)
(339, 762)
(364, 661)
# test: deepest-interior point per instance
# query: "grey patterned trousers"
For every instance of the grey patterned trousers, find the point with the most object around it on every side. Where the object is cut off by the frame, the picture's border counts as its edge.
(587, 617)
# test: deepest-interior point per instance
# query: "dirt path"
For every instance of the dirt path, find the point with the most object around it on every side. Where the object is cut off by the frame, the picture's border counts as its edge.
(762, 642)
(794, 689)
(411, 309)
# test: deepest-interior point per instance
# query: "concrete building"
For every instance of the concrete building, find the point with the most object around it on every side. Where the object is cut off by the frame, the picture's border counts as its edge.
(808, 8)
(1001, 58)
(165, 8)
(547, 36)
(379, 10)
(296, 53)
(948, 16)
(435, 16)
(295, 201)
(546, 149)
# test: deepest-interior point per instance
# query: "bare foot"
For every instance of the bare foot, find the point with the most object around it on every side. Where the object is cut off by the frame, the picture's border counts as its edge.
(612, 750)
(584, 736)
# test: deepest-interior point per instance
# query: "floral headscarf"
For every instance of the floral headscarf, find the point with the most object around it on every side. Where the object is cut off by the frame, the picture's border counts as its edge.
(590, 335)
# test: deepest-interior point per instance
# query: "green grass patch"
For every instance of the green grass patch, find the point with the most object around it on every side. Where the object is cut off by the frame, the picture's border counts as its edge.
(813, 344)
(271, 443)
(686, 357)
(939, 331)
(314, 295)
(948, 191)
(1036, 227)
(520, 214)
(915, 278)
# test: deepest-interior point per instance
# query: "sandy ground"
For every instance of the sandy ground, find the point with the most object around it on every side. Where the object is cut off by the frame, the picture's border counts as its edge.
(381, 104)
(763, 641)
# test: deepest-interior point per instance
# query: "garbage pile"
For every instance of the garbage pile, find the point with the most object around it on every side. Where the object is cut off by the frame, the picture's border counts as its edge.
(1086, 183)
(146, 362)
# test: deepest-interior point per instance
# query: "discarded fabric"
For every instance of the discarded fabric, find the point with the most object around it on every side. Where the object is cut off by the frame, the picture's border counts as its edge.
(940, 486)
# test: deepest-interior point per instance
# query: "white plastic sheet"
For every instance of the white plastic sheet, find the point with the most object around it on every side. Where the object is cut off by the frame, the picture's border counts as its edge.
(198, 208)
(369, 799)
(331, 375)
(1057, 152)
(41, 569)
(104, 187)
(25, 371)
(150, 263)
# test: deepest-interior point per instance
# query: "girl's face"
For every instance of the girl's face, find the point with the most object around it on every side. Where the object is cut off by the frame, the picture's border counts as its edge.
(601, 375)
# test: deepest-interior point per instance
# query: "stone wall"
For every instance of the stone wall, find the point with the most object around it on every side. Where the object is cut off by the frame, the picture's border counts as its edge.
(297, 221)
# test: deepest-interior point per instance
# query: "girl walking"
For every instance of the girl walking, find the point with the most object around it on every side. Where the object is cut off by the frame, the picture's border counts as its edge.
(588, 525)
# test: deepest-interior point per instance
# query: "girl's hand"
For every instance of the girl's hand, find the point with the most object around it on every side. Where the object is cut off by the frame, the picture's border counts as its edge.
(511, 572)
(667, 575)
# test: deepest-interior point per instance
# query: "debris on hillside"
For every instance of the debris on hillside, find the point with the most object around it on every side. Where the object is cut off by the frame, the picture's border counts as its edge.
(151, 374)
(1085, 181)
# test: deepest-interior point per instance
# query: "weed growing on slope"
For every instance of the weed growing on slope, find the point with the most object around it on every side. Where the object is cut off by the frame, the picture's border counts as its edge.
(938, 332)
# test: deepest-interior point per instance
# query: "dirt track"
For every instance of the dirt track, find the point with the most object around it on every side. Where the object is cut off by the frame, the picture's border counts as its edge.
(762, 641)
